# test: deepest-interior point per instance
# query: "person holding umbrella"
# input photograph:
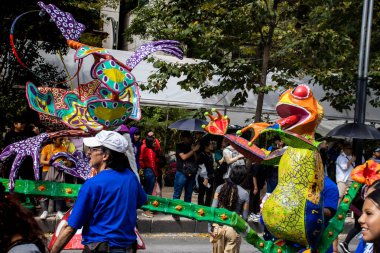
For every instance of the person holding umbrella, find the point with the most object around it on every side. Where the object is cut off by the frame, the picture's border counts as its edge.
(186, 167)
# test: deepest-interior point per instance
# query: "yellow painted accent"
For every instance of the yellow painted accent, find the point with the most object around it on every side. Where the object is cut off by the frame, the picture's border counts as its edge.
(114, 74)
(110, 114)
(42, 104)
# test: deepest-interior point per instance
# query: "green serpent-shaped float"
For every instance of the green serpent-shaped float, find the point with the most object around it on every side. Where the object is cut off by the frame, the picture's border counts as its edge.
(199, 212)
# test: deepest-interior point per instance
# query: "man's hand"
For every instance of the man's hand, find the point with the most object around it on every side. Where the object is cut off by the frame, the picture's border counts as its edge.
(205, 182)
(64, 237)
(255, 191)
(195, 147)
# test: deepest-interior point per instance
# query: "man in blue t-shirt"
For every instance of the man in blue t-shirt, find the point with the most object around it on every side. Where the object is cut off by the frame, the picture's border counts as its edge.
(330, 203)
(107, 203)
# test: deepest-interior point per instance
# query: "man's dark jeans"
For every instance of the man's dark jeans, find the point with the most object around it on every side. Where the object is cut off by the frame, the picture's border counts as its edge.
(183, 181)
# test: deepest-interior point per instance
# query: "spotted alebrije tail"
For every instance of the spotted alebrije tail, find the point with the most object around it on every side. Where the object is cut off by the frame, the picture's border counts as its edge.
(69, 27)
(168, 46)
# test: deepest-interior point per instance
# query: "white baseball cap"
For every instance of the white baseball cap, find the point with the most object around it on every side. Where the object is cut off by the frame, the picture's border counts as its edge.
(108, 139)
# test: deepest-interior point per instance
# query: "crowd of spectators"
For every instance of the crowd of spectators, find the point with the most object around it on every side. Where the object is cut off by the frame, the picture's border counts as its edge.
(205, 165)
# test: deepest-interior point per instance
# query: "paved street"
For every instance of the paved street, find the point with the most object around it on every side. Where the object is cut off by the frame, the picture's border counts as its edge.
(180, 243)
(189, 242)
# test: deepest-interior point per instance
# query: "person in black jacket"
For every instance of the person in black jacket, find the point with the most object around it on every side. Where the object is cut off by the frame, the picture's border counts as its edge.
(206, 172)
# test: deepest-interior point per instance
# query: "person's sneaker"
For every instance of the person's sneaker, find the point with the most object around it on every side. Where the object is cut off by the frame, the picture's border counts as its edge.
(344, 247)
(256, 218)
(59, 215)
(147, 214)
(44, 215)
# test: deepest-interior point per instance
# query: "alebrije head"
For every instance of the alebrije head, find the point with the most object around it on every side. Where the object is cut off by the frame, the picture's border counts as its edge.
(300, 111)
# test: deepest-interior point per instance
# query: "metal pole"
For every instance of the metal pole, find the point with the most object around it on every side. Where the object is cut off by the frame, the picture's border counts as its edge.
(361, 90)
(368, 39)
(364, 51)
(362, 38)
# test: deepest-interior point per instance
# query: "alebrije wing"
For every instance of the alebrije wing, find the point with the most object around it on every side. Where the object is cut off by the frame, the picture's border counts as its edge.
(76, 115)
(58, 95)
(42, 103)
(292, 139)
(52, 122)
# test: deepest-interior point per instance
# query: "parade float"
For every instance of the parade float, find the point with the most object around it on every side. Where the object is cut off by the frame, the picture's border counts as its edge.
(293, 213)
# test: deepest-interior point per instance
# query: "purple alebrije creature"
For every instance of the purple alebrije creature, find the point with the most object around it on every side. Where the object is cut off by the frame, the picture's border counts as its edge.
(167, 46)
(22, 149)
(80, 161)
(31, 147)
(69, 27)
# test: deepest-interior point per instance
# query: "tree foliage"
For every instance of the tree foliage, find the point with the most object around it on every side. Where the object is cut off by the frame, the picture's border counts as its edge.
(241, 41)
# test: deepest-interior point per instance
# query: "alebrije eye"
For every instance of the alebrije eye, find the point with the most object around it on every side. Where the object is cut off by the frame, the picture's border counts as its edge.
(301, 92)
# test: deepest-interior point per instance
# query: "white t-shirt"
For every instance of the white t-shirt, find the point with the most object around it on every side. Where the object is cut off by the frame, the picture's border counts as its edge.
(342, 172)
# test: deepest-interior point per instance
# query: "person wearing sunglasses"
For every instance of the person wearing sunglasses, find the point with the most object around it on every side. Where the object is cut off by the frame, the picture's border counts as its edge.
(107, 203)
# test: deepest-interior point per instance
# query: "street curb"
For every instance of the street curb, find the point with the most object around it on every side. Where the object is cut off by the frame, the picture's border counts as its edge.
(162, 223)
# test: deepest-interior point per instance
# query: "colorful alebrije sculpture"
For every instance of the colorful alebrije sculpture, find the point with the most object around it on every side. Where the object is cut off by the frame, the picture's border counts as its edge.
(103, 103)
(293, 212)
(106, 102)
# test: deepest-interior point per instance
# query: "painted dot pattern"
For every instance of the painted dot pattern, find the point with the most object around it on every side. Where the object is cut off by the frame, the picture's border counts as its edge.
(167, 46)
(69, 27)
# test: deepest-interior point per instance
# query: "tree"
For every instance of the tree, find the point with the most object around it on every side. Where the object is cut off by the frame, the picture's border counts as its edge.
(240, 42)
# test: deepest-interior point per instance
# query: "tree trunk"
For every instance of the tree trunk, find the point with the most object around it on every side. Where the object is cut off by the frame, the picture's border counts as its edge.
(263, 82)
(264, 68)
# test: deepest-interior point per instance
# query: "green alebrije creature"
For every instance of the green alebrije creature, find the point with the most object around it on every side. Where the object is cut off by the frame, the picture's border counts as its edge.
(201, 213)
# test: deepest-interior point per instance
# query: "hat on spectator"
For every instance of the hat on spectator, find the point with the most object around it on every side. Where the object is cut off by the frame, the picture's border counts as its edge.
(108, 139)
(376, 149)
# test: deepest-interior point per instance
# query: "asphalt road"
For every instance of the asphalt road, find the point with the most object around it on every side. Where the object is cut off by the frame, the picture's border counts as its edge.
(189, 243)
(180, 243)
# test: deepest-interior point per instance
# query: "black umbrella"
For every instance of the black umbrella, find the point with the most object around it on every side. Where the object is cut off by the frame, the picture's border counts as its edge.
(189, 125)
(357, 131)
